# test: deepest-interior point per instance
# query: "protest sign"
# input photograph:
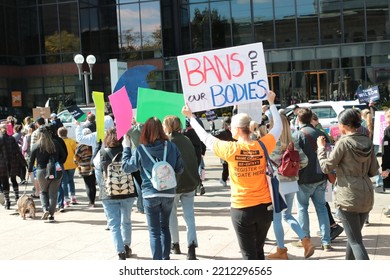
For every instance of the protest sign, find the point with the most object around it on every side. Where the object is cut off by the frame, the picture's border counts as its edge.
(223, 77)
(253, 110)
(380, 125)
(77, 113)
(157, 103)
(122, 110)
(211, 116)
(43, 112)
(369, 94)
(98, 99)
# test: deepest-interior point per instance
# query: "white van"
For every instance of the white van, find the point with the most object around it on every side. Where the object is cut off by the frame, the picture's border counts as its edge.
(69, 122)
(327, 111)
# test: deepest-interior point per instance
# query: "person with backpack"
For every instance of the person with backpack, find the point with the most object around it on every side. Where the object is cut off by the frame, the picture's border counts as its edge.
(45, 148)
(186, 187)
(83, 158)
(251, 207)
(117, 207)
(289, 158)
(153, 149)
(312, 181)
(355, 162)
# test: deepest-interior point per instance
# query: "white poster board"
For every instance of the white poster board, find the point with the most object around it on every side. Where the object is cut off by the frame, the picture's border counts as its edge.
(380, 125)
(224, 77)
(253, 109)
(117, 68)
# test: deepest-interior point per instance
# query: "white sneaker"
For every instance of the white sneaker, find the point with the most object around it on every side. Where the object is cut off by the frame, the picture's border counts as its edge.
(387, 213)
(2, 199)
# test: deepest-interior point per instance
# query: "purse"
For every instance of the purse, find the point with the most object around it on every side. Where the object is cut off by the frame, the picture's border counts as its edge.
(278, 201)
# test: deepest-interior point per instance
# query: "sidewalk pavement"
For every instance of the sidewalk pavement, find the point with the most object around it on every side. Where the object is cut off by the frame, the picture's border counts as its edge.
(79, 233)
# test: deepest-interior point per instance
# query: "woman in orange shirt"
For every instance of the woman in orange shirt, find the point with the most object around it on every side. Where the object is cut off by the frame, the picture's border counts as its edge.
(251, 206)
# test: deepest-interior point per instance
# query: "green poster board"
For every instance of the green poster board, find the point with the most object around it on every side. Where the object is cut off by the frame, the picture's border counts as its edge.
(158, 103)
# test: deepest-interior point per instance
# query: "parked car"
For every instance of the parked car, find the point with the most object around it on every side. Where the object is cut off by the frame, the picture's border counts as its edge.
(69, 122)
(327, 111)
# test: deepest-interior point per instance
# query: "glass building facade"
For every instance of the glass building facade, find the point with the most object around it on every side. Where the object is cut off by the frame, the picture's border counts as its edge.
(314, 49)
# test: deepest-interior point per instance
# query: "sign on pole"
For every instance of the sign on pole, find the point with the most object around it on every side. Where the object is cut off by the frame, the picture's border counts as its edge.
(224, 77)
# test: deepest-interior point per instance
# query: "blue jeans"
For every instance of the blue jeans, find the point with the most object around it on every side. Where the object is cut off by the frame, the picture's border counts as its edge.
(67, 183)
(288, 218)
(353, 223)
(187, 202)
(158, 211)
(118, 213)
(315, 192)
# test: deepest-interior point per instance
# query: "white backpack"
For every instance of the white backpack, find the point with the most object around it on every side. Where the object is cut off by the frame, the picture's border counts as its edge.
(163, 176)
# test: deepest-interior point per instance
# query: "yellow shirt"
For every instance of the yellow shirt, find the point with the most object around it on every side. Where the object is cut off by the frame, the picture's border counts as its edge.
(247, 170)
(71, 146)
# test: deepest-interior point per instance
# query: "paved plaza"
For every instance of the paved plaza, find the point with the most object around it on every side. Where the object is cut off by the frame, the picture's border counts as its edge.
(79, 233)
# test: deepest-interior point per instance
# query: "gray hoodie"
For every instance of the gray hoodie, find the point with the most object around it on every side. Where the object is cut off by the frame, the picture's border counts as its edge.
(354, 160)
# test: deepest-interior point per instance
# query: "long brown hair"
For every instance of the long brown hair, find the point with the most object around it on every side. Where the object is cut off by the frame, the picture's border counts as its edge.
(286, 136)
(367, 116)
(152, 131)
(172, 124)
(110, 140)
(45, 141)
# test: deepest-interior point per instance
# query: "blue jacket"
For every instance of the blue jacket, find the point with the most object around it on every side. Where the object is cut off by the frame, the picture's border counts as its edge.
(140, 161)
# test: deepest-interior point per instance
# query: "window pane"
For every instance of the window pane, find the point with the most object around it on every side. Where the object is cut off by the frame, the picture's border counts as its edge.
(108, 30)
(200, 27)
(307, 21)
(50, 30)
(377, 15)
(354, 29)
(151, 27)
(130, 27)
(69, 26)
(241, 18)
(221, 25)
(28, 31)
(263, 23)
(328, 52)
(285, 23)
(330, 26)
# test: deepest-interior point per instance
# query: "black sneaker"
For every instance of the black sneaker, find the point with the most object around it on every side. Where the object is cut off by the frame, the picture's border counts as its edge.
(122, 256)
(335, 231)
(176, 248)
(202, 190)
(51, 219)
(128, 251)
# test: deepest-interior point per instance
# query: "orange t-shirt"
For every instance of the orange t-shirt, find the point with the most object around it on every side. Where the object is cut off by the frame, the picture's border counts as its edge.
(247, 170)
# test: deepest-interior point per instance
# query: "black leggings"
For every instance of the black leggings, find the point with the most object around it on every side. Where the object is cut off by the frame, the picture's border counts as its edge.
(251, 225)
(225, 171)
(90, 187)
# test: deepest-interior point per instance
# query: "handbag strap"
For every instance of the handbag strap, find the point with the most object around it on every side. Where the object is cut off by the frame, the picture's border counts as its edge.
(269, 165)
(152, 159)
(311, 140)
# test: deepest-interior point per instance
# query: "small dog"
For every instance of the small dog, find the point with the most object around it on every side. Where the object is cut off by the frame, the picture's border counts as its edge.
(26, 205)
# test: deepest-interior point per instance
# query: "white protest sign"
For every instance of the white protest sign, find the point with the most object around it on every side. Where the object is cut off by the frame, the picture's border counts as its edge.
(380, 125)
(224, 77)
(253, 110)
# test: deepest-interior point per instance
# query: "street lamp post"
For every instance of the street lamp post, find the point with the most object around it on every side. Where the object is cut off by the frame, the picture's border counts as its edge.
(79, 60)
